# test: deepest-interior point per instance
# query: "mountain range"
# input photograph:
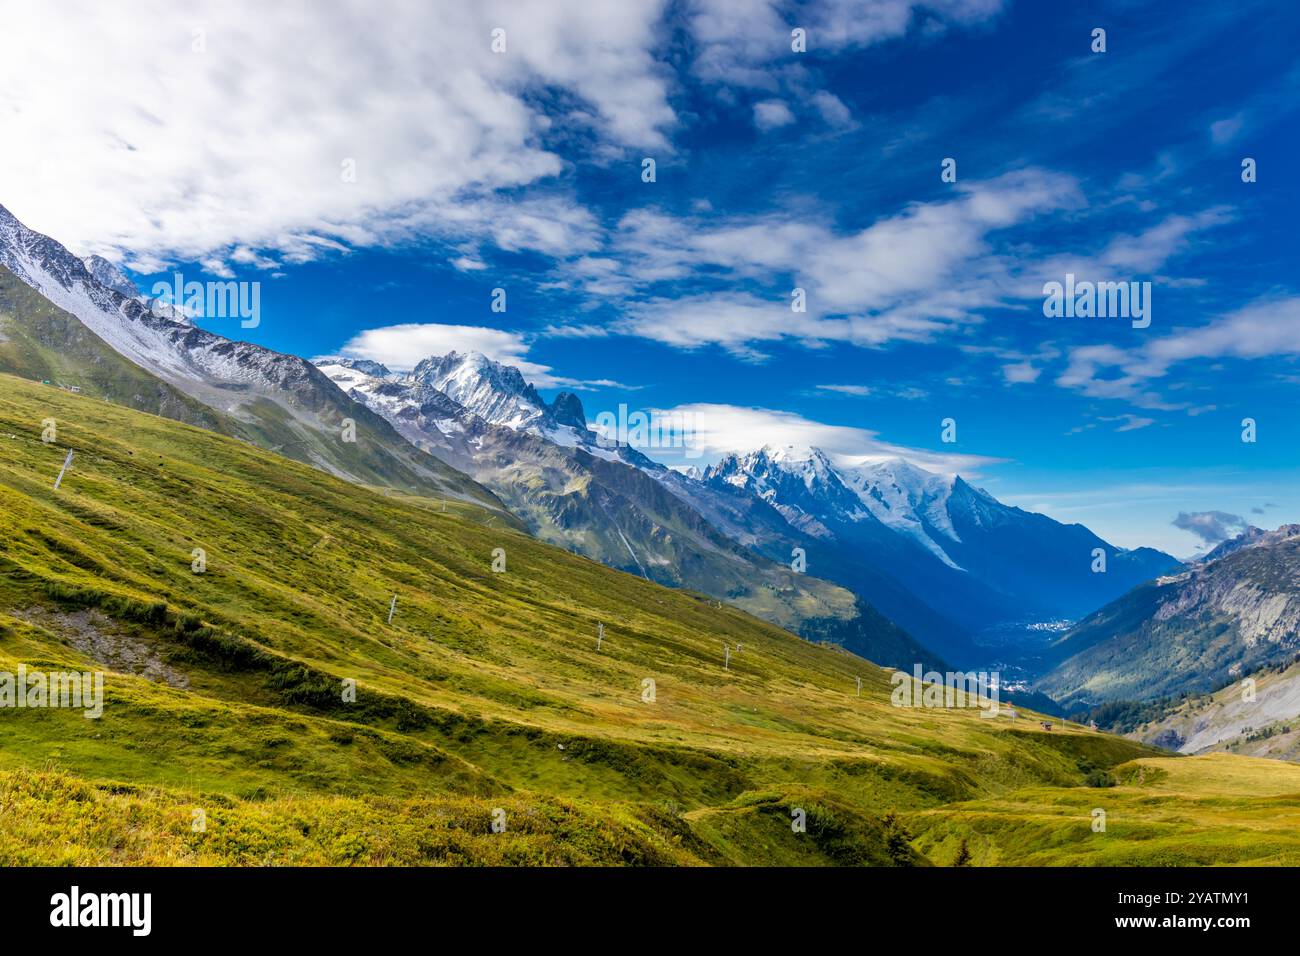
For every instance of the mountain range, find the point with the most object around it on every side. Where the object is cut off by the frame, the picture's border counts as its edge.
(936, 555)
(274, 400)
(611, 719)
(891, 561)
(350, 681)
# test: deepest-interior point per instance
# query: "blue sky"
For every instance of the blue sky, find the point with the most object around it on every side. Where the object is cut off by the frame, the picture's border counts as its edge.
(217, 152)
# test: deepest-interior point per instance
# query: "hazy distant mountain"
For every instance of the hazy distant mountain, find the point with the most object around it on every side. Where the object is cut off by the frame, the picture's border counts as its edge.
(942, 558)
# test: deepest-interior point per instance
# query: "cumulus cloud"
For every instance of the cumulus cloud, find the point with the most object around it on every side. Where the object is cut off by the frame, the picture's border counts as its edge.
(1126, 257)
(1212, 527)
(401, 347)
(739, 42)
(227, 123)
(832, 109)
(1018, 373)
(1264, 328)
(772, 114)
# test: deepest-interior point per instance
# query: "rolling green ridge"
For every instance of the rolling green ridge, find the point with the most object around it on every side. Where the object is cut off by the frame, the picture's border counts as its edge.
(225, 691)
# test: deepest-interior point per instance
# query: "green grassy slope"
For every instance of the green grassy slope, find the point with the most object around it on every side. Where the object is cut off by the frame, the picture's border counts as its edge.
(225, 689)
(1198, 811)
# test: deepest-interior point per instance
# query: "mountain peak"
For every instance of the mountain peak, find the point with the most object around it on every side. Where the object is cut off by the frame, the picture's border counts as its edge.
(567, 410)
(495, 392)
(364, 366)
(1250, 538)
(903, 471)
(110, 276)
(794, 453)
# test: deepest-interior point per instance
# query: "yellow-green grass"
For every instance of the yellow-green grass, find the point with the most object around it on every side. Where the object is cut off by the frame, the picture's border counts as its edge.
(1214, 810)
(485, 687)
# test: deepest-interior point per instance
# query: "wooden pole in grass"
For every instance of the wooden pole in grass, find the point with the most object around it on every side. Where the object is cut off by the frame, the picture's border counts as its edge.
(66, 462)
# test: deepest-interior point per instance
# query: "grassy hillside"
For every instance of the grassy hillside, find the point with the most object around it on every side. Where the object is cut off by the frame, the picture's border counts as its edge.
(225, 690)
(1200, 811)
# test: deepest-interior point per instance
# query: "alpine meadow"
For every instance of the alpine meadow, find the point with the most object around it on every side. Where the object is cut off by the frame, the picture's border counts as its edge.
(588, 434)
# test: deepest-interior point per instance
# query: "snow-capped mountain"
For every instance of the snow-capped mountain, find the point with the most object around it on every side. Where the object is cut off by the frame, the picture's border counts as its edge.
(450, 405)
(494, 392)
(279, 401)
(944, 559)
(805, 486)
(800, 483)
(910, 500)
(962, 544)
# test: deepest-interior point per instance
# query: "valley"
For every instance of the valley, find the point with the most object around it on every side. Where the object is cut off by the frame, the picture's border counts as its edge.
(376, 651)
(486, 692)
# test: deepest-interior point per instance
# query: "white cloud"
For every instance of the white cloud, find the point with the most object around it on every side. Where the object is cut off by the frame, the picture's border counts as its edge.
(1130, 423)
(719, 429)
(733, 322)
(856, 390)
(1266, 328)
(1020, 373)
(832, 109)
(772, 114)
(122, 139)
(1127, 257)
(1226, 130)
(743, 42)
(907, 277)
(401, 347)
